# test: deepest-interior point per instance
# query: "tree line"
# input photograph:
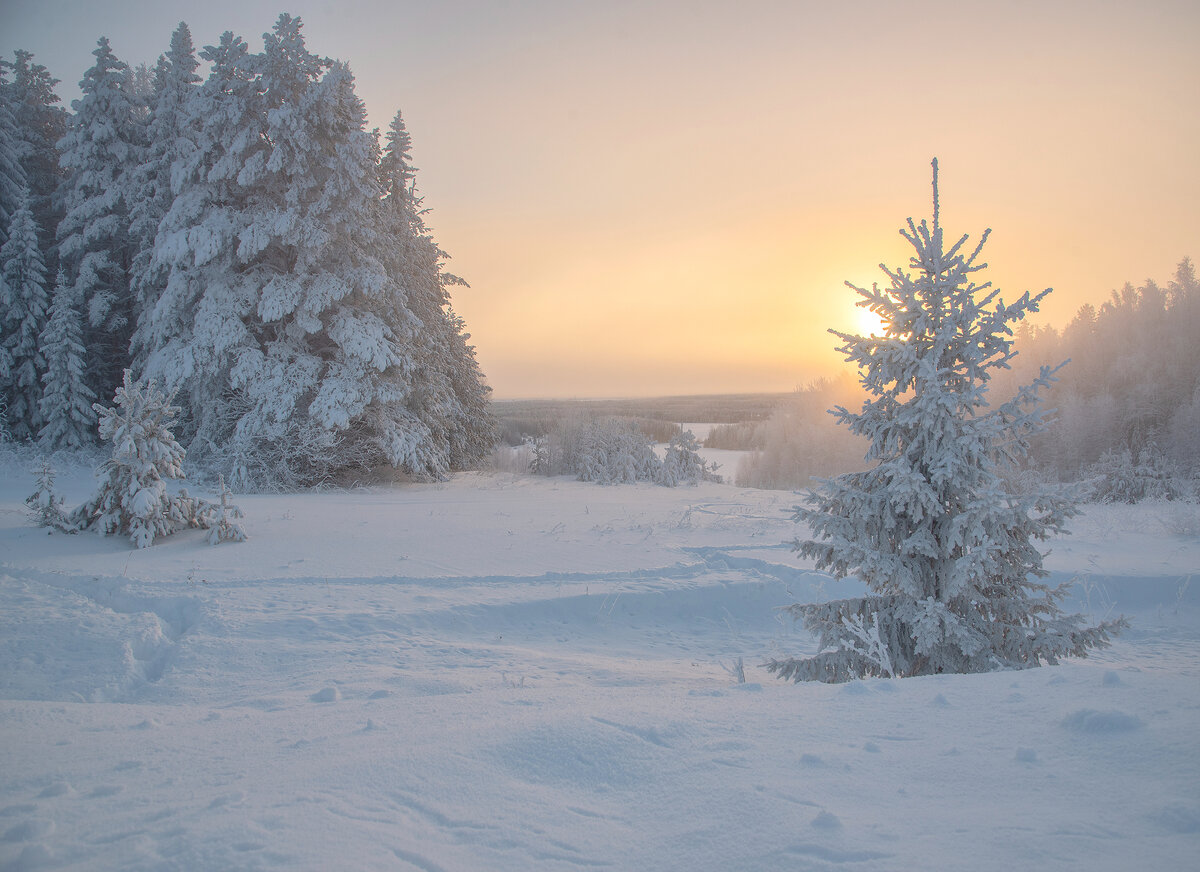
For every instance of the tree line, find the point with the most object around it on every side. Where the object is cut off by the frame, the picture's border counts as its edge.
(244, 240)
(1127, 404)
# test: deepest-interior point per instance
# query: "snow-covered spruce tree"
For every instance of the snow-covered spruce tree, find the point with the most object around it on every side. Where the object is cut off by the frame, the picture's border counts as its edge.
(949, 554)
(41, 123)
(170, 147)
(12, 175)
(197, 310)
(103, 144)
(66, 408)
(24, 300)
(44, 504)
(132, 497)
(446, 422)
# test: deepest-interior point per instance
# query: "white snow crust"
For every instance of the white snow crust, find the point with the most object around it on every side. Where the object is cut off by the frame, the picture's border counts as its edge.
(515, 673)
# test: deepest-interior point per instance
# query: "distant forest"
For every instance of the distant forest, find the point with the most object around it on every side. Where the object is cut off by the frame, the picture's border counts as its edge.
(1129, 397)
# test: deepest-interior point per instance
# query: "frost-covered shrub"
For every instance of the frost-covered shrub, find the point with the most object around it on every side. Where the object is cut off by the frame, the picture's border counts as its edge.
(798, 441)
(1181, 519)
(948, 551)
(133, 498)
(1117, 478)
(615, 451)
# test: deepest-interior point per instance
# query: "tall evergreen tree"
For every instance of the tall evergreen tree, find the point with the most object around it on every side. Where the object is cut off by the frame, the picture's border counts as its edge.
(24, 301)
(171, 143)
(274, 323)
(12, 174)
(447, 422)
(41, 123)
(67, 413)
(195, 250)
(102, 146)
(947, 549)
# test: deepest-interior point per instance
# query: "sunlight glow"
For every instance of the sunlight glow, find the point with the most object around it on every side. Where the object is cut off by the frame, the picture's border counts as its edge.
(867, 323)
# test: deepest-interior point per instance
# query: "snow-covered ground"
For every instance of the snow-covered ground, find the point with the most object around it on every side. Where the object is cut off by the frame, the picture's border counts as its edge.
(512, 673)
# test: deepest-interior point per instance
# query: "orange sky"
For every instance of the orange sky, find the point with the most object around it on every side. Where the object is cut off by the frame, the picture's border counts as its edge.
(658, 198)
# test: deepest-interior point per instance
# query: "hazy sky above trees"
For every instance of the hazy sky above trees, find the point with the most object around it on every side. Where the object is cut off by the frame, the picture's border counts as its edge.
(665, 197)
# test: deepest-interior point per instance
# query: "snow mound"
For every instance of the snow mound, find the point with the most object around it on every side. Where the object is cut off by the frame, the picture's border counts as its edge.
(1092, 721)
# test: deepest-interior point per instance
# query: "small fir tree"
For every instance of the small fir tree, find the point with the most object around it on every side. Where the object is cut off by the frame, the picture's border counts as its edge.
(947, 550)
(66, 399)
(45, 505)
(222, 518)
(133, 497)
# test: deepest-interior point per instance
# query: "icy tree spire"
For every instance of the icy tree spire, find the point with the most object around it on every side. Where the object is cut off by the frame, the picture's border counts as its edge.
(948, 551)
(936, 204)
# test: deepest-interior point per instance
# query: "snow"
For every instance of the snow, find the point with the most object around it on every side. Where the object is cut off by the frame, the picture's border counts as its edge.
(510, 673)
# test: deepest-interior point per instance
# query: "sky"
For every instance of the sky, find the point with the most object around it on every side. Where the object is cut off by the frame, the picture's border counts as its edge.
(657, 198)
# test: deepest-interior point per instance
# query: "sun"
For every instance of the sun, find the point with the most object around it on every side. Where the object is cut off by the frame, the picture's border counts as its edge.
(867, 323)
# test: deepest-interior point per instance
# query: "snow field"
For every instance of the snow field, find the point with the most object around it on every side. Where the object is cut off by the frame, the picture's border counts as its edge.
(506, 672)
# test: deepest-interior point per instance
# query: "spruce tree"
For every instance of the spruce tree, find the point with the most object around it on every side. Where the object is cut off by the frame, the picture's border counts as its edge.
(101, 147)
(170, 147)
(199, 307)
(24, 300)
(132, 497)
(12, 175)
(947, 549)
(67, 413)
(447, 423)
(41, 123)
(44, 504)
